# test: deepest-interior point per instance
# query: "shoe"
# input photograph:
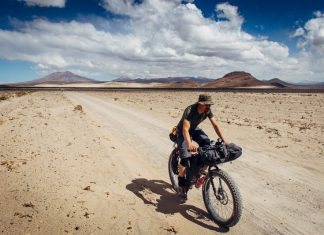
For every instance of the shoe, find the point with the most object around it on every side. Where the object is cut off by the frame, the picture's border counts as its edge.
(182, 191)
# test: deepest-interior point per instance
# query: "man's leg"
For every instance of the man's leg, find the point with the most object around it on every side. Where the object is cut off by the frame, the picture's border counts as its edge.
(200, 137)
(184, 154)
(182, 170)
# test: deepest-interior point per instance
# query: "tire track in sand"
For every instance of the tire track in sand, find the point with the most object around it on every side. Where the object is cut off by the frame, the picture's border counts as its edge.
(143, 143)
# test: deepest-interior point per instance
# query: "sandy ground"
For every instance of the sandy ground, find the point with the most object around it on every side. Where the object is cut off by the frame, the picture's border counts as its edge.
(103, 169)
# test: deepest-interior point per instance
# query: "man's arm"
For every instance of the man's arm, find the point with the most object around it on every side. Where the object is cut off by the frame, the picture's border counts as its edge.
(186, 135)
(218, 130)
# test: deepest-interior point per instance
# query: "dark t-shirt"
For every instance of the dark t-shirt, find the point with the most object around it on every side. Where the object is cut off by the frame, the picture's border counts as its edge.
(191, 114)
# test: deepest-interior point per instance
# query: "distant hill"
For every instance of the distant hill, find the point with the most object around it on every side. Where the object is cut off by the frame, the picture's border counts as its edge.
(164, 80)
(235, 79)
(59, 78)
(278, 83)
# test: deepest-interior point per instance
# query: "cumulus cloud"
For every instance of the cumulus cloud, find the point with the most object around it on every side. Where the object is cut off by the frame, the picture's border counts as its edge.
(229, 12)
(157, 38)
(312, 34)
(299, 32)
(311, 43)
(46, 3)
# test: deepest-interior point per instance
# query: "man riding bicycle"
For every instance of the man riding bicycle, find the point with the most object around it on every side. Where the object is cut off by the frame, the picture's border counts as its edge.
(187, 130)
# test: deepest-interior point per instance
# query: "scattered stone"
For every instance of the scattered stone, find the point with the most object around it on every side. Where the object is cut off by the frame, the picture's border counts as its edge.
(87, 188)
(283, 146)
(20, 215)
(86, 214)
(29, 205)
(171, 229)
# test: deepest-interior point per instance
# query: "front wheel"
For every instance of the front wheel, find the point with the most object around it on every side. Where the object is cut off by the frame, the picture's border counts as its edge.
(173, 169)
(222, 198)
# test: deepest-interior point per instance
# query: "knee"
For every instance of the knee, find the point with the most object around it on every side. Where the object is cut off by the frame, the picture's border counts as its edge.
(184, 162)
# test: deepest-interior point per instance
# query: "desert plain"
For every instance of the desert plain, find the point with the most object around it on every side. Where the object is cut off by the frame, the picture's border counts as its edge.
(96, 162)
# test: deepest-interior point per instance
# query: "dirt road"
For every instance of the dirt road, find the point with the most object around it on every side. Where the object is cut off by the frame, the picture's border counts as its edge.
(104, 170)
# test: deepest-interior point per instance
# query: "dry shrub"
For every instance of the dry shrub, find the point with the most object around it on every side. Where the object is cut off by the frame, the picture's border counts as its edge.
(305, 126)
(8, 164)
(78, 108)
(4, 97)
(21, 93)
(273, 131)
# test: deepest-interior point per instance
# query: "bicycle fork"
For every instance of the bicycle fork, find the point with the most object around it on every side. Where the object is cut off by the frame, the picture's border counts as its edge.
(219, 193)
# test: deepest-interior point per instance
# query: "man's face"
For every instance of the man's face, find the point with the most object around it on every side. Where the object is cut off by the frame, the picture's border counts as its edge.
(207, 107)
(204, 107)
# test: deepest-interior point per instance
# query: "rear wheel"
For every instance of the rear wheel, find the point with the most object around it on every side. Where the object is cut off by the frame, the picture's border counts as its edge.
(173, 169)
(222, 198)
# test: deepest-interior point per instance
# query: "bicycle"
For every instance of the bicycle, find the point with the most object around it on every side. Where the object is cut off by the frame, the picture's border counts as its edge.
(221, 196)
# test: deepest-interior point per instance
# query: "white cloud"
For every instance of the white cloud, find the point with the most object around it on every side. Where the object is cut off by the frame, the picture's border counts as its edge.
(311, 43)
(312, 34)
(299, 32)
(46, 3)
(157, 38)
(229, 12)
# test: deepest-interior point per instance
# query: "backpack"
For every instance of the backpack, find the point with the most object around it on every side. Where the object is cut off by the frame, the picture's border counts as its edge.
(173, 134)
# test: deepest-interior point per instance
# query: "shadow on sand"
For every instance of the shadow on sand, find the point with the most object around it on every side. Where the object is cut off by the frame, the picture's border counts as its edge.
(159, 194)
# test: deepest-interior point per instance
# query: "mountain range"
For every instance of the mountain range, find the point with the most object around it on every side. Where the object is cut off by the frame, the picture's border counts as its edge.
(230, 80)
(164, 80)
(59, 78)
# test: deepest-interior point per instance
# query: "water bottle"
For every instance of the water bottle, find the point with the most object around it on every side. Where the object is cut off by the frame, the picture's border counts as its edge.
(200, 181)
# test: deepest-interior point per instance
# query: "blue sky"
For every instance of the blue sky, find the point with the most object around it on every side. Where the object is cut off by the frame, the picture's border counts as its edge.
(106, 39)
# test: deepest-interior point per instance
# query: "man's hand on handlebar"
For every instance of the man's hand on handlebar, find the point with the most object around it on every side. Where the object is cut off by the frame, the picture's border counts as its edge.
(192, 148)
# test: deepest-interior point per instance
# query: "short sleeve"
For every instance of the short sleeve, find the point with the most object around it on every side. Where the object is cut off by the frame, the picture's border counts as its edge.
(186, 113)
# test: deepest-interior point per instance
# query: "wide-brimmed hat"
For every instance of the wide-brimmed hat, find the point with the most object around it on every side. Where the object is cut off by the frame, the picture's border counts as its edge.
(205, 99)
